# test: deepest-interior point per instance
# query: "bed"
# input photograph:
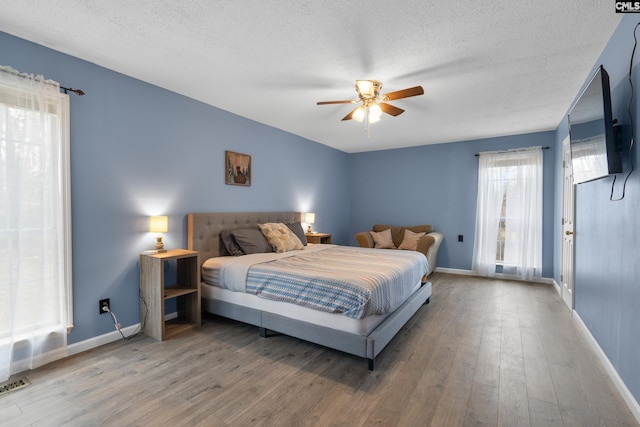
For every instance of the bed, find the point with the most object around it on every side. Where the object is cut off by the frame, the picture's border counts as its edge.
(362, 334)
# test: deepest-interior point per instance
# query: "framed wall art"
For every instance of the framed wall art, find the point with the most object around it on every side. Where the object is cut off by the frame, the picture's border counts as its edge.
(237, 168)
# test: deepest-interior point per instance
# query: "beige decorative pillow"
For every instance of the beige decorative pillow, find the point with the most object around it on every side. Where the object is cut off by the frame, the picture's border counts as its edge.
(281, 238)
(383, 239)
(410, 240)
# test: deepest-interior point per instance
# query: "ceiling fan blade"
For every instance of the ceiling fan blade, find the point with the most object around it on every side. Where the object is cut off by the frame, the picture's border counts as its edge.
(350, 115)
(404, 93)
(390, 109)
(336, 102)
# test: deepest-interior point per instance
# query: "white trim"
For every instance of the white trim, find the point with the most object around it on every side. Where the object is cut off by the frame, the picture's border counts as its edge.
(557, 286)
(100, 340)
(454, 271)
(92, 343)
(73, 349)
(632, 403)
(547, 280)
(108, 337)
(85, 345)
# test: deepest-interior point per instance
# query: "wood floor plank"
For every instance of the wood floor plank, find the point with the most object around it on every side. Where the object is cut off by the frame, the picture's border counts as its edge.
(482, 408)
(488, 361)
(538, 378)
(484, 352)
(544, 414)
(425, 399)
(513, 406)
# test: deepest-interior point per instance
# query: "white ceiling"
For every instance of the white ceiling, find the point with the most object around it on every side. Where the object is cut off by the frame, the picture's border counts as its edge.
(488, 68)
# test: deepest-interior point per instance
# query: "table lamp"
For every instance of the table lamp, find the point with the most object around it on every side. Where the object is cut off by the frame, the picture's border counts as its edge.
(159, 224)
(309, 218)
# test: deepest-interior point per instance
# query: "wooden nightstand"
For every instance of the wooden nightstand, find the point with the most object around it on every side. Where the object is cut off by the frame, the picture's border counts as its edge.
(155, 292)
(324, 238)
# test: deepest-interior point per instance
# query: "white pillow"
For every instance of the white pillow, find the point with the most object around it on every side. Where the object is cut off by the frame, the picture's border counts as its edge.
(383, 239)
(410, 240)
(280, 237)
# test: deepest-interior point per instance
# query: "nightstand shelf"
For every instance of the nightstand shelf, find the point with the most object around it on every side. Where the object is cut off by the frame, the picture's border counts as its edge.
(155, 292)
(174, 291)
(322, 238)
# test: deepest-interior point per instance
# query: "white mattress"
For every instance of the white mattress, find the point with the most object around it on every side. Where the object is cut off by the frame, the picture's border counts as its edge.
(330, 320)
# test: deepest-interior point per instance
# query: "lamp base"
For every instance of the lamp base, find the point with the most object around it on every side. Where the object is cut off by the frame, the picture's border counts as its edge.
(159, 245)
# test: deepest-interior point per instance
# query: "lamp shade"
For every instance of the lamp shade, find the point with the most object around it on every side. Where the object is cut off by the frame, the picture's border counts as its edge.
(374, 113)
(159, 224)
(309, 218)
(358, 115)
(366, 88)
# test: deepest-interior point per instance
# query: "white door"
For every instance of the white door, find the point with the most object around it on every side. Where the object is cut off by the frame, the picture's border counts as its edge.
(568, 215)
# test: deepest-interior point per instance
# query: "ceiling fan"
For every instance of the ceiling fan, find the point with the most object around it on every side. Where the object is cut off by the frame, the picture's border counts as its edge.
(374, 104)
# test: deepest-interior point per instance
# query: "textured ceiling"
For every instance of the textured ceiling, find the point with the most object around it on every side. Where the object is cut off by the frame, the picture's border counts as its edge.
(488, 68)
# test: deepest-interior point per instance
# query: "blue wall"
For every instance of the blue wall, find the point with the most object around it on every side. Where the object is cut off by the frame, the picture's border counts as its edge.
(607, 234)
(438, 185)
(139, 150)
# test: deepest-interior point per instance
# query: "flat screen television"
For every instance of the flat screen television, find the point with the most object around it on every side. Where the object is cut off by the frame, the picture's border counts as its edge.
(595, 151)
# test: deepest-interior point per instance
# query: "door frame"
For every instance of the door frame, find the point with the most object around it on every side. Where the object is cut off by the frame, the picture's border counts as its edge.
(567, 264)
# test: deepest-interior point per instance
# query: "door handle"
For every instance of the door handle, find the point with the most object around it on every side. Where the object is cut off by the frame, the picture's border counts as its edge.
(568, 232)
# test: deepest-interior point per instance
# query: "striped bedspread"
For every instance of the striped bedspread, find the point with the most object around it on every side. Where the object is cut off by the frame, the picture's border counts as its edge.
(356, 282)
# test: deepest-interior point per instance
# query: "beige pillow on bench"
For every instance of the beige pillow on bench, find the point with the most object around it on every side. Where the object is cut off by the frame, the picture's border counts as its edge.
(410, 241)
(383, 239)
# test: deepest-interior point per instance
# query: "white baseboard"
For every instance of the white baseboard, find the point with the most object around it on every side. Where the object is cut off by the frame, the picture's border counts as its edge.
(454, 271)
(547, 280)
(632, 403)
(100, 340)
(557, 286)
(107, 338)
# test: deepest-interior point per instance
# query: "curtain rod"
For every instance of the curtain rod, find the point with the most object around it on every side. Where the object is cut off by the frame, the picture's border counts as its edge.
(78, 92)
(13, 71)
(506, 151)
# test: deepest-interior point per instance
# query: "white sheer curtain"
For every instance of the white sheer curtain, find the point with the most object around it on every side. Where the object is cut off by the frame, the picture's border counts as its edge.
(35, 245)
(509, 190)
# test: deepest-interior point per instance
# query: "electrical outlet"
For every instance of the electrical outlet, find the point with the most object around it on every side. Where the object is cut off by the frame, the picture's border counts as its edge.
(460, 238)
(104, 306)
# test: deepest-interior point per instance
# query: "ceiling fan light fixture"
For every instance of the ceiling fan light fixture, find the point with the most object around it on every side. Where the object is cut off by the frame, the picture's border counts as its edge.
(365, 88)
(358, 115)
(370, 111)
(374, 113)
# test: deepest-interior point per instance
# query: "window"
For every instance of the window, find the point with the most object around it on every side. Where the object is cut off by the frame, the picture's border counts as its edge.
(35, 226)
(509, 213)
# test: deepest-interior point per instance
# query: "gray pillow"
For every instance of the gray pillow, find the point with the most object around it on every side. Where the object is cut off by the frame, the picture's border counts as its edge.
(230, 243)
(296, 227)
(251, 241)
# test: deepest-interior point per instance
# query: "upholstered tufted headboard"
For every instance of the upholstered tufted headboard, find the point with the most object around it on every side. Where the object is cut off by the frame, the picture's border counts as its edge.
(203, 229)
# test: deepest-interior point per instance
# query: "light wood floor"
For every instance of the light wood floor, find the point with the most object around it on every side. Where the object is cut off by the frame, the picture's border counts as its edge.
(483, 353)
